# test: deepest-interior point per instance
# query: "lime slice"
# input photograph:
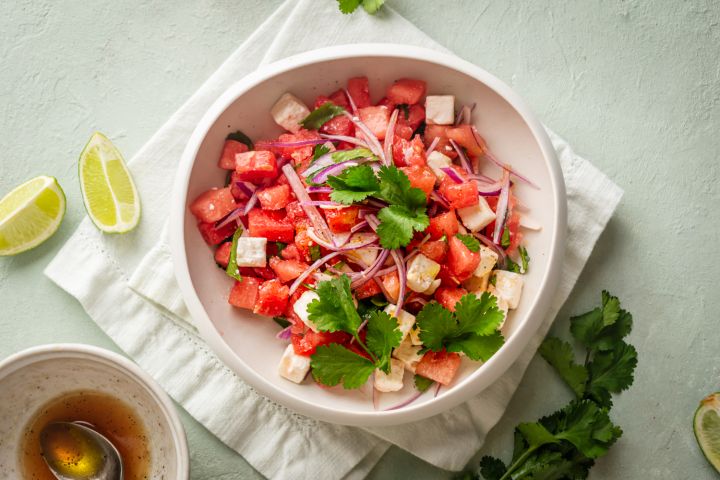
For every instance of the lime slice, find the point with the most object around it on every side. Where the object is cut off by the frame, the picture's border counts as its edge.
(30, 214)
(108, 191)
(707, 428)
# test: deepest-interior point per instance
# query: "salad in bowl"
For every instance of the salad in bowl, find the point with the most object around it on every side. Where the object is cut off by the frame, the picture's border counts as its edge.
(385, 239)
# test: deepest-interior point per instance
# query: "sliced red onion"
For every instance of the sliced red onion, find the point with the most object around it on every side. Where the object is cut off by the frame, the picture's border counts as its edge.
(372, 220)
(402, 276)
(497, 162)
(323, 204)
(247, 188)
(284, 334)
(454, 176)
(298, 281)
(362, 325)
(352, 102)
(373, 142)
(501, 212)
(419, 300)
(251, 203)
(464, 115)
(340, 239)
(389, 137)
(406, 402)
(385, 271)
(335, 169)
(345, 138)
(319, 190)
(435, 195)
(235, 214)
(359, 227)
(301, 194)
(437, 390)
(375, 203)
(321, 162)
(370, 272)
(360, 240)
(300, 143)
(494, 247)
(463, 158)
(432, 146)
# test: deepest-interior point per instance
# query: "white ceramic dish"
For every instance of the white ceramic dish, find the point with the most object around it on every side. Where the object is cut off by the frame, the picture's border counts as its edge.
(246, 342)
(31, 378)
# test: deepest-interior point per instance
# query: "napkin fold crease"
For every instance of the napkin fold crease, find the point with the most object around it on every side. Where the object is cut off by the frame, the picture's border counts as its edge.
(127, 286)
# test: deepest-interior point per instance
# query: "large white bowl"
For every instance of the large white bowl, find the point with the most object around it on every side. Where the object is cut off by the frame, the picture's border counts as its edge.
(31, 378)
(246, 342)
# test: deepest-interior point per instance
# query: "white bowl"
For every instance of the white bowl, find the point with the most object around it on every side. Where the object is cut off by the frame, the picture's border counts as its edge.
(31, 378)
(246, 342)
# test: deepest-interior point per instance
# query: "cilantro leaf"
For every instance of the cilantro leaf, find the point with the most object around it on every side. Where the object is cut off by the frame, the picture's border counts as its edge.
(422, 383)
(524, 258)
(611, 372)
(471, 329)
(560, 355)
(283, 322)
(345, 155)
(602, 327)
(587, 427)
(505, 239)
(372, 6)
(315, 253)
(334, 309)
(383, 335)
(232, 266)
(397, 224)
(492, 468)
(326, 111)
(536, 434)
(395, 188)
(239, 136)
(319, 151)
(472, 243)
(354, 184)
(348, 6)
(333, 363)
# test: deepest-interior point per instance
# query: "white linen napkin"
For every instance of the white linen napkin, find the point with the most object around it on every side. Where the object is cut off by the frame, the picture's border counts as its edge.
(126, 284)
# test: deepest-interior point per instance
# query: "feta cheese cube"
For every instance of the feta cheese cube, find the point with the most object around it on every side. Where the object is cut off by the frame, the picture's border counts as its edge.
(292, 366)
(421, 272)
(364, 256)
(251, 252)
(405, 320)
(477, 217)
(436, 161)
(433, 286)
(408, 354)
(501, 303)
(289, 111)
(477, 285)
(488, 259)
(415, 336)
(300, 307)
(508, 286)
(440, 109)
(390, 382)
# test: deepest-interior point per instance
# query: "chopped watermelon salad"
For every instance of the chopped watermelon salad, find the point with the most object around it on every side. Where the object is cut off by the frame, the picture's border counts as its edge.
(383, 237)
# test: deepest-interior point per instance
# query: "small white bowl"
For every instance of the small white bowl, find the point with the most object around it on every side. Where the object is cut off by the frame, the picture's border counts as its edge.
(246, 342)
(31, 378)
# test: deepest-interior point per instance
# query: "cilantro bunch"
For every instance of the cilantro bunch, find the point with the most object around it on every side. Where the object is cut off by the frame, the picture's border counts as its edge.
(565, 444)
(406, 210)
(471, 329)
(335, 311)
(370, 6)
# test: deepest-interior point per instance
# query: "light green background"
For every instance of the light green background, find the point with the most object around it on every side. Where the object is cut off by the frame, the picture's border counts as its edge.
(634, 86)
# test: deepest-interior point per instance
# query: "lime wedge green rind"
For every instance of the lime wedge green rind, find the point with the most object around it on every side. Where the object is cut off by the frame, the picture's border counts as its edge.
(108, 191)
(706, 425)
(30, 214)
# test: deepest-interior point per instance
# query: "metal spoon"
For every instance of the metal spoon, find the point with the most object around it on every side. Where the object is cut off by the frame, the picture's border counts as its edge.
(74, 451)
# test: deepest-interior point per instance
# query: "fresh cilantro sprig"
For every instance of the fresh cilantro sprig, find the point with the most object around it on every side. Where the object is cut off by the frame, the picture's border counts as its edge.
(334, 310)
(471, 329)
(522, 267)
(370, 6)
(232, 266)
(319, 151)
(564, 445)
(316, 118)
(472, 243)
(406, 210)
(352, 154)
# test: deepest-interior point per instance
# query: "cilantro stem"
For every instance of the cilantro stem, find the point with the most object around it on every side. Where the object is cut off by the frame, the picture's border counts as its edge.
(521, 459)
(357, 339)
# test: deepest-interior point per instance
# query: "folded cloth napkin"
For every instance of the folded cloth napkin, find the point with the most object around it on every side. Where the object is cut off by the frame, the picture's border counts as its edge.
(126, 284)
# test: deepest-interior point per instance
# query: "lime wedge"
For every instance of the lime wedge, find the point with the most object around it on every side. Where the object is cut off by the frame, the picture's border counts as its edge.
(108, 191)
(30, 214)
(707, 428)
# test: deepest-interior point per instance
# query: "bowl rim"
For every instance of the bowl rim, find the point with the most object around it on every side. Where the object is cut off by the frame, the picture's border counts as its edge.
(32, 355)
(493, 368)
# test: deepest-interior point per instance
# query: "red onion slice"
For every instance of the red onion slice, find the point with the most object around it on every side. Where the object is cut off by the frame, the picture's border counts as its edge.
(373, 142)
(352, 102)
(298, 281)
(432, 146)
(389, 137)
(501, 212)
(335, 169)
(497, 162)
(454, 176)
(344, 138)
(284, 334)
(437, 390)
(250, 204)
(235, 214)
(319, 190)
(370, 272)
(301, 194)
(435, 195)
(247, 188)
(494, 247)
(359, 240)
(402, 276)
(406, 402)
(323, 204)
(463, 158)
(300, 143)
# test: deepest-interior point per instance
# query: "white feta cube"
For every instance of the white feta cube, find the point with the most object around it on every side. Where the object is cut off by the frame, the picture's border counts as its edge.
(433, 286)
(408, 354)
(300, 307)
(292, 366)
(501, 303)
(251, 252)
(289, 111)
(477, 217)
(477, 285)
(488, 259)
(440, 109)
(405, 319)
(508, 286)
(364, 256)
(421, 272)
(390, 382)
(436, 161)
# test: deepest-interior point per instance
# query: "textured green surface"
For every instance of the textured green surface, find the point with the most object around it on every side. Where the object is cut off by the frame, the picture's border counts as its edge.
(634, 86)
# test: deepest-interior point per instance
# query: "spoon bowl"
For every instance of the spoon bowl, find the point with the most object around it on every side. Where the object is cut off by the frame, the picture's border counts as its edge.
(74, 451)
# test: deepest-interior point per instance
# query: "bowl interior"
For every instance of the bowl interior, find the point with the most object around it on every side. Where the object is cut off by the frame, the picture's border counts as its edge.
(251, 338)
(29, 383)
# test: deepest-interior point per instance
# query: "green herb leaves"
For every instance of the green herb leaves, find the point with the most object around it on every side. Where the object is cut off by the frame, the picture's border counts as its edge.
(405, 213)
(316, 119)
(370, 6)
(472, 243)
(239, 136)
(471, 329)
(232, 266)
(334, 311)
